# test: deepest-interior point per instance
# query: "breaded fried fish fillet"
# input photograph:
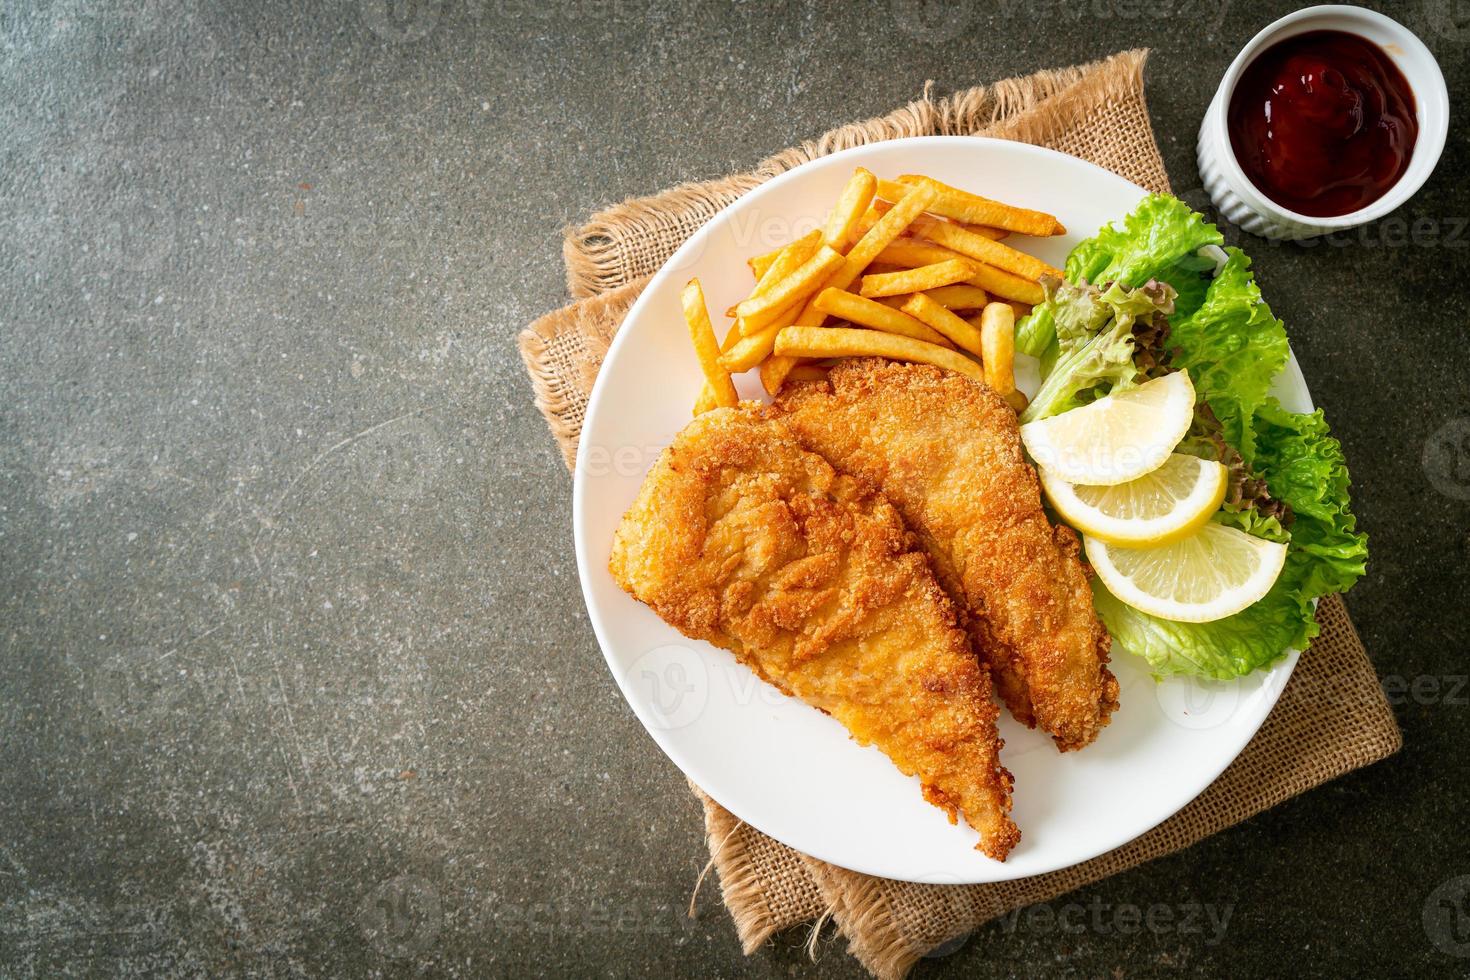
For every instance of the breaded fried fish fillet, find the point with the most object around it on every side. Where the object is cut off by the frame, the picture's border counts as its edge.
(946, 452)
(742, 538)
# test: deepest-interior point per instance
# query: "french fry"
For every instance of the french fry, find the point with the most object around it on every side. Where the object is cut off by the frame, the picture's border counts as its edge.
(994, 234)
(910, 253)
(788, 259)
(952, 325)
(887, 228)
(972, 209)
(867, 313)
(783, 262)
(880, 206)
(801, 250)
(960, 296)
(913, 252)
(918, 279)
(1020, 309)
(852, 204)
(894, 187)
(751, 349)
(1017, 400)
(774, 370)
(982, 249)
(760, 264)
(702, 333)
(706, 399)
(1007, 285)
(781, 319)
(998, 347)
(874, 240)
(837, 342)
(891, 190)
(765, 309)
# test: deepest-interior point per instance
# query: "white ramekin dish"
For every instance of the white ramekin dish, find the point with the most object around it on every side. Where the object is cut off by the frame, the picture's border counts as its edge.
(1232, 191)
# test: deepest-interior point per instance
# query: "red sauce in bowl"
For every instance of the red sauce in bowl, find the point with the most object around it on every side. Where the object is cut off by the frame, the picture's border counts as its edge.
(1323, 123)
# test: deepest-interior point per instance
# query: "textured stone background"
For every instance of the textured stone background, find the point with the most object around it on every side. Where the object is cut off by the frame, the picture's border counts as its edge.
(296, 677)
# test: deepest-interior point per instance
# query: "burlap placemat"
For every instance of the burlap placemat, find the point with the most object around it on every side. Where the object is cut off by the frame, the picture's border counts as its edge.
(1332, 716)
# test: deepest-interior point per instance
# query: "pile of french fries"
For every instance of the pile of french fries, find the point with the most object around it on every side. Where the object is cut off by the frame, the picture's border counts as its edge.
(891, 274)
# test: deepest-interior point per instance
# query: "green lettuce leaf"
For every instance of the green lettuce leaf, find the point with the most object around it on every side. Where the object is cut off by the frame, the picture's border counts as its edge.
(1254, 522)
(1232, 347)
(1305, 466)
(1036, 333)
(1229, 647)
(1160, 240)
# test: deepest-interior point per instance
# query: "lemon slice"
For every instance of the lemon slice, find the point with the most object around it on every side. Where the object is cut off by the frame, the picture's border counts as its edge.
(1117, 438)
(1170, 503)
(1211, 574)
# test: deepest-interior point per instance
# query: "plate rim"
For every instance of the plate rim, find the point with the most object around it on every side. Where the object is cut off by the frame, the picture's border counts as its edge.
(1106, 843)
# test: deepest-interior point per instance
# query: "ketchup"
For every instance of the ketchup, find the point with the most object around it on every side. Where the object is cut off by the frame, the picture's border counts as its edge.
(1323, 123)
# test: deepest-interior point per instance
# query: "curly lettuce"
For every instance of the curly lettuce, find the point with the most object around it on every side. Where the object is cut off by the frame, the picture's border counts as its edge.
(1248, 504)
(1161, 239)
(1304, 467)
(1106, 340)
(1232, 347)
(1289, 479)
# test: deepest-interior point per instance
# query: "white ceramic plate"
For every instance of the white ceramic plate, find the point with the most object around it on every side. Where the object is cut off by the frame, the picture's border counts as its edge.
(781, 766)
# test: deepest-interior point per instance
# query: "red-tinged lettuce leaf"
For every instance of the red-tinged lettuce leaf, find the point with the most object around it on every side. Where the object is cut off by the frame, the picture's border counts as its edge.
(1107, 338)
(1248, 502)
(1160, 239)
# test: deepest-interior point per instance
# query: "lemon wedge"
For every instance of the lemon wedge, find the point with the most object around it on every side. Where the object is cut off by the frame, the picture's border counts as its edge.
(1170, 503)
(1117, 438)
(1211, 574)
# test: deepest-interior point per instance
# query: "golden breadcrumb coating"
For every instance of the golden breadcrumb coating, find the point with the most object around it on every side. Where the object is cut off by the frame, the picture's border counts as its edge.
(742, 538)
(947, 453)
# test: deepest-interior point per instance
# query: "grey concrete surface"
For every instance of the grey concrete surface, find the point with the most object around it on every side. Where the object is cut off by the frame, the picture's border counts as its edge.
(295, 677)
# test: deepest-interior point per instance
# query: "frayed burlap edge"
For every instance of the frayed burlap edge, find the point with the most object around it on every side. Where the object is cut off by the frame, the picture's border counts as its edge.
(748, 880)
(740, 886)
(600, 254)
(563, 351)
(1069, 106)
